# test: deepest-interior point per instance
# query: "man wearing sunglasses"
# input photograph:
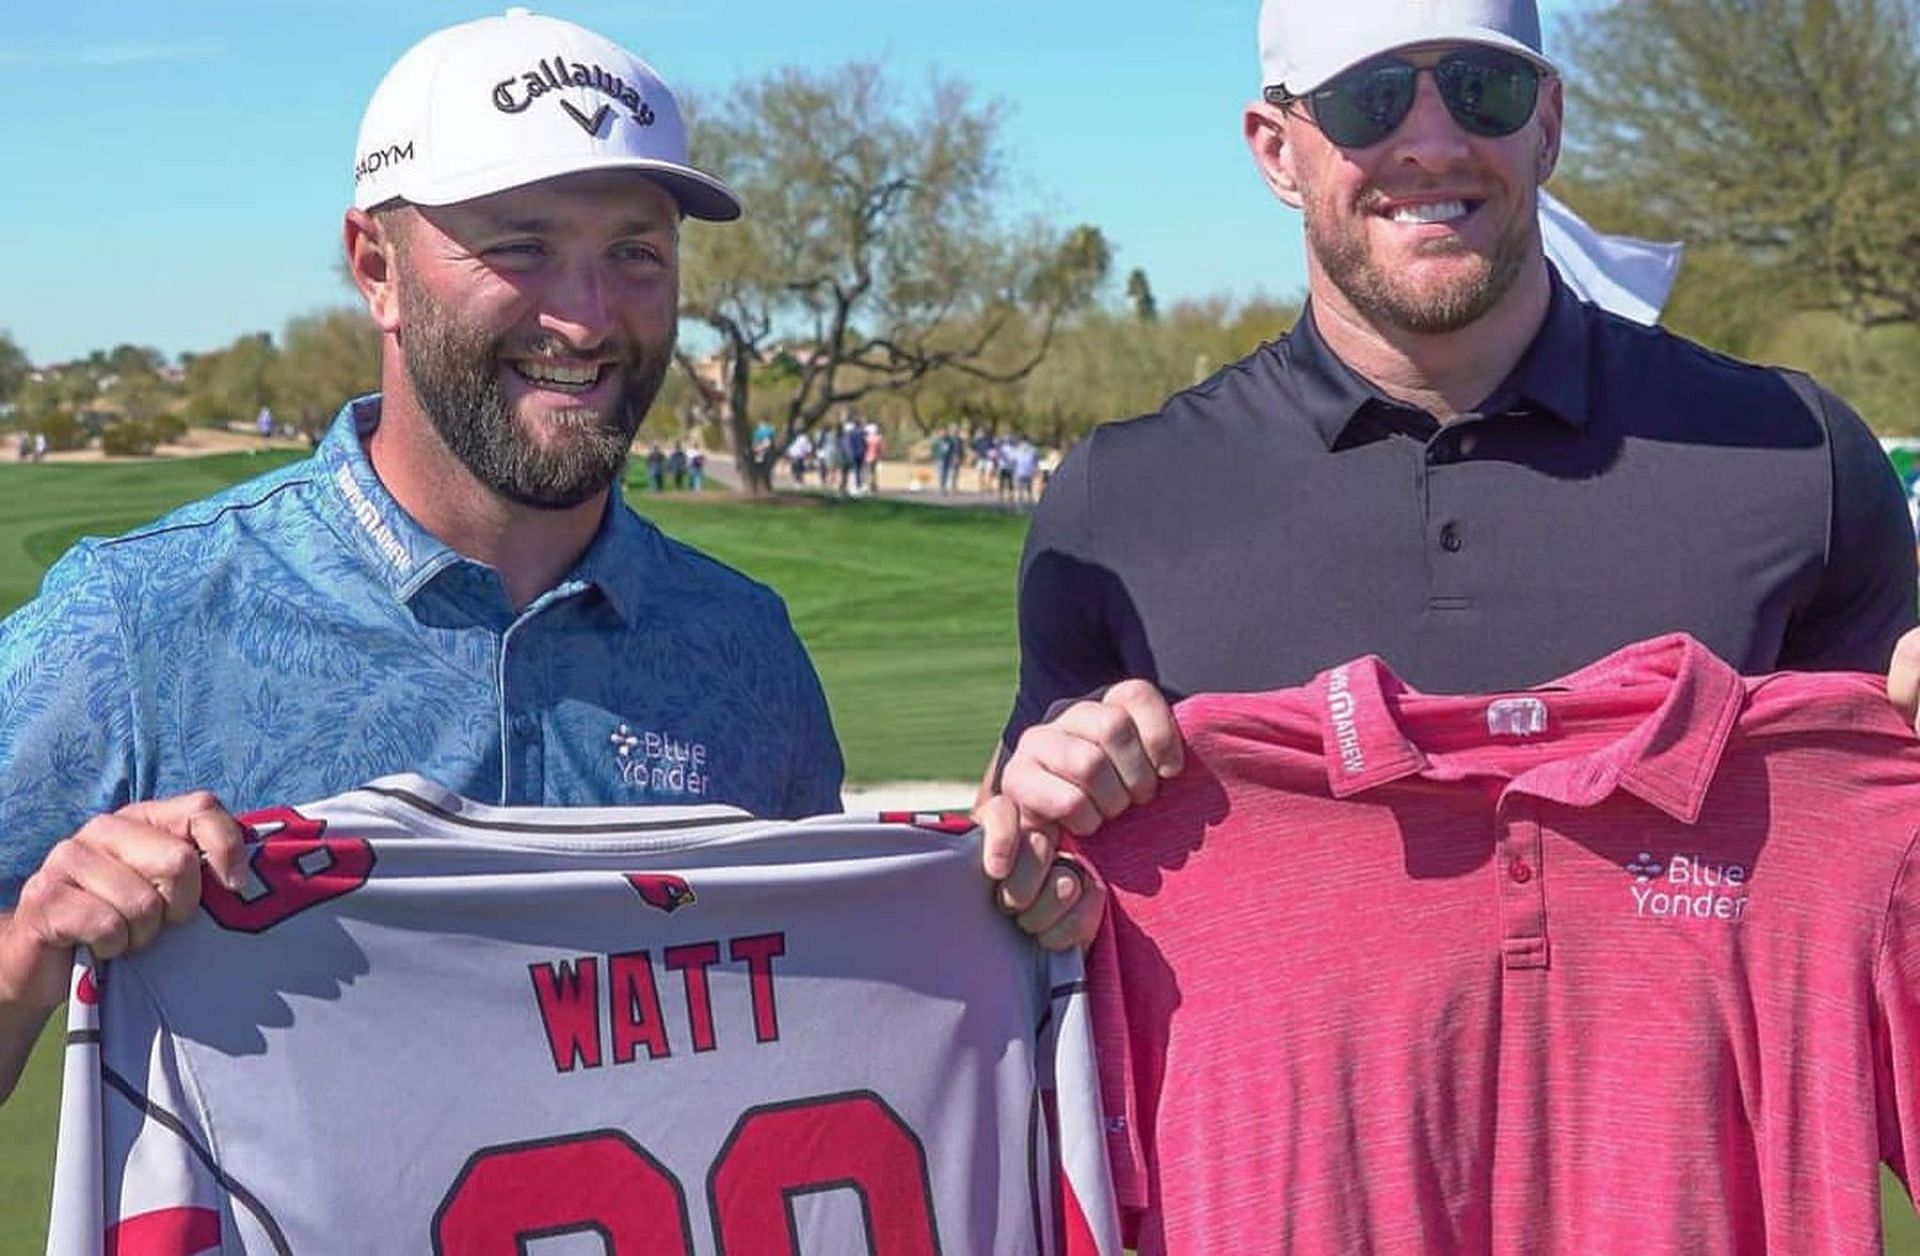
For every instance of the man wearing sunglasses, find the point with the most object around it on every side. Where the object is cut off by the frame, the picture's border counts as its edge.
(1450, 461)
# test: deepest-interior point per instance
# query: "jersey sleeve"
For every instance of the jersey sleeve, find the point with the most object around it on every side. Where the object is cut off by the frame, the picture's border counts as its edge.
(1866, 596)
(66, 745)
(1067, 645)
(133, 1171)
(1089, 1215)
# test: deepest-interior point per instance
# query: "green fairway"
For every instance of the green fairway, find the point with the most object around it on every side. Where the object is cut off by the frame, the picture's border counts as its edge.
(907, 610)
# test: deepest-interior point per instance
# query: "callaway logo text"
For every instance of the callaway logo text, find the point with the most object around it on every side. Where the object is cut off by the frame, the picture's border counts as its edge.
(512, 95)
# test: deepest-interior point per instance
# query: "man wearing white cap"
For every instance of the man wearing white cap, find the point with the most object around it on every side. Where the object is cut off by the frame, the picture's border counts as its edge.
(451, 585)
(1450, 461)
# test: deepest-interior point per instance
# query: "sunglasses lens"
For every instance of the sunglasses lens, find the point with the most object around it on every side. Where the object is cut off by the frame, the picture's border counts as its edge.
(1488, 93)
(1364, 105)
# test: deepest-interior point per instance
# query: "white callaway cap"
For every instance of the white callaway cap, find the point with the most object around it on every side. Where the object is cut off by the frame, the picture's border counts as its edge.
(506, 101)
(1303, 43)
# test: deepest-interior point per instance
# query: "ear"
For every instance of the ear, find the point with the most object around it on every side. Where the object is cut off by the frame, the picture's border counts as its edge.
(1551, 116)
(373, 263)
(1265, 127)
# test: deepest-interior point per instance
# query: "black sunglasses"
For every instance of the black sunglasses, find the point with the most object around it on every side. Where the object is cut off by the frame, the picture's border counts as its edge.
(1488, 92)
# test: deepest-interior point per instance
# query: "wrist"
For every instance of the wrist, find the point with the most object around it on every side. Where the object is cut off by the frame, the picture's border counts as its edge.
(32, 977)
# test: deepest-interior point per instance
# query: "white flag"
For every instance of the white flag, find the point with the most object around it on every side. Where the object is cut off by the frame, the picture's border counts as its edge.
(1619, 273)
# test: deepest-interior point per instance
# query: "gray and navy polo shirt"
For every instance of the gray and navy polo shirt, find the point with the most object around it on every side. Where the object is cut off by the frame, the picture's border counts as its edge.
(300, 634)
(1285, 516)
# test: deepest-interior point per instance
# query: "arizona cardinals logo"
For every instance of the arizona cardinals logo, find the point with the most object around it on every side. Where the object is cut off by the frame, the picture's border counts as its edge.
(658, 889)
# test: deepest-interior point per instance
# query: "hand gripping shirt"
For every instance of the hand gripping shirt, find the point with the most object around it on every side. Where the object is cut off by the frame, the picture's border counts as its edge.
(1628, 964)
(298, 634)
(430, 1025)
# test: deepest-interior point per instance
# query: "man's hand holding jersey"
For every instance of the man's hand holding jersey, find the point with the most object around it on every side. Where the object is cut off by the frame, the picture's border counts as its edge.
(1088, 763)
(111, 887)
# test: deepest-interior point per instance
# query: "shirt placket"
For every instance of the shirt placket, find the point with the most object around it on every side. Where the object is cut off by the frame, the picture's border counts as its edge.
(1520, 876)
(522, 735)
(1520, 1171)
(1448, 538)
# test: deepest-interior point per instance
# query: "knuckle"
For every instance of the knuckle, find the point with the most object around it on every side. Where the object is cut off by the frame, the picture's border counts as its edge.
(59, 862)
(146, 905)
(1133, 691)
(179, 862)
(1032, 742)
(1083, 761)
(1111, 724)
(201, 800)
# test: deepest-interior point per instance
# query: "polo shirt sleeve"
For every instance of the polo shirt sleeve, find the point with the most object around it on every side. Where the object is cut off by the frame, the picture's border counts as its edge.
(1896, 1023)
(1067, 648)
(66, 722)
(816, 766)
(1866, 599)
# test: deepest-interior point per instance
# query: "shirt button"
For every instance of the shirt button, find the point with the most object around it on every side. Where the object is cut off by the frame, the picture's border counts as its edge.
(1520, 871)
(522, 724)
(1450, 538)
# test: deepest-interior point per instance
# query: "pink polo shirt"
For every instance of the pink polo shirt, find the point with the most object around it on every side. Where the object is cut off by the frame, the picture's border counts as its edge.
(1626, 964)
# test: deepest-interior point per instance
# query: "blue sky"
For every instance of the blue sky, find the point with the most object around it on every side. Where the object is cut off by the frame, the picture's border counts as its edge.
(176, 172)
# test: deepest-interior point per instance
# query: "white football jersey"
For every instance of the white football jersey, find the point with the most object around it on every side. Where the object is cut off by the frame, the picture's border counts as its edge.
(432, 1025)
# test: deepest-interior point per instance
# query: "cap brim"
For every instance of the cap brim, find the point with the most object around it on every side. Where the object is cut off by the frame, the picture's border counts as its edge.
(1481, 36)
(698, 194)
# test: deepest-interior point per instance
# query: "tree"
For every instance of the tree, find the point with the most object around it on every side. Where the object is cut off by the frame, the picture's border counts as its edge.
(329, 357)
(1112, 365)
(1140, 296)
(14, 368)
(231, 384)
(126, 361)
(873, 253)
(1784, 131)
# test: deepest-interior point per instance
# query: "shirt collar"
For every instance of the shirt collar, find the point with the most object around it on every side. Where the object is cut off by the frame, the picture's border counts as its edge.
(1668, 758)
(403, 556)
(620, 552)
(406, 558)
(1551, 377)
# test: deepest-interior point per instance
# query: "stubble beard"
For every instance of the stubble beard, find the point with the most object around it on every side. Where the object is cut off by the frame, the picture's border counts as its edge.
(1341, 245)
(455, 369)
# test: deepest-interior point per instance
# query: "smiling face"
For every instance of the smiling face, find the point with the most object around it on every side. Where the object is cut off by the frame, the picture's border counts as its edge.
(1426, 231)
(536, 326)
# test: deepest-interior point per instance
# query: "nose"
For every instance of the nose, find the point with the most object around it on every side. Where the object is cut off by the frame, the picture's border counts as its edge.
(576, 308)
(1429, 136)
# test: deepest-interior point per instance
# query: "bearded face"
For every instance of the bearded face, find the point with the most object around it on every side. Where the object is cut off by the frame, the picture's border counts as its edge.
(1428, 286)
(549, 457)
(1429, 229)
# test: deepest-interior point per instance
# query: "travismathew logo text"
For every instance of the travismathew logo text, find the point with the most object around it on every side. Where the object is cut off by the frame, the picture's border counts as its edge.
(1346, 735)
(1688, 887)
(512, 95)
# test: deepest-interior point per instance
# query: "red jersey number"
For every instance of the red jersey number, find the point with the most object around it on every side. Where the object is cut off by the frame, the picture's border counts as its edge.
(291, 866)
(606, 1183)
